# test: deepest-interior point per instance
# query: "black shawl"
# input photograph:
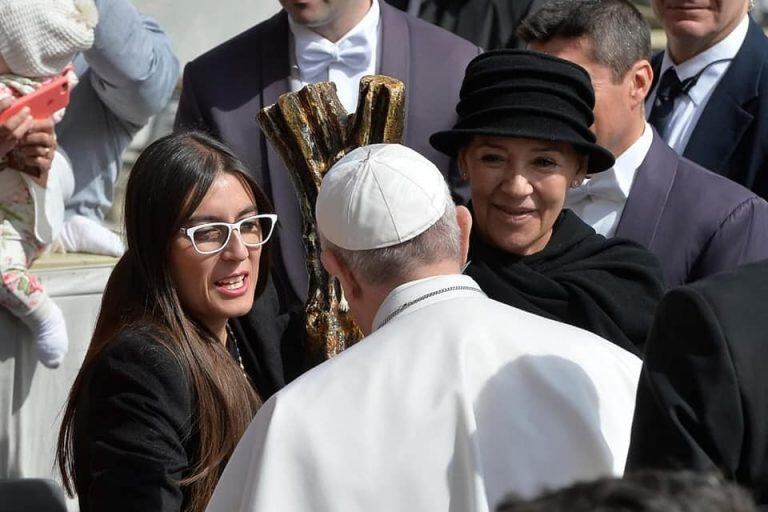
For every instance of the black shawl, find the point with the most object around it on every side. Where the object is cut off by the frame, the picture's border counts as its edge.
(610, 287)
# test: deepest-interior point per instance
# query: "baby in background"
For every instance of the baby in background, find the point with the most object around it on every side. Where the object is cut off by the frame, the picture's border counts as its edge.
(38, 40)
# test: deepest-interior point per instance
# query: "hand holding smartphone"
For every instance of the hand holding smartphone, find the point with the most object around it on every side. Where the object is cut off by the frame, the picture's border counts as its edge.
(43, 103)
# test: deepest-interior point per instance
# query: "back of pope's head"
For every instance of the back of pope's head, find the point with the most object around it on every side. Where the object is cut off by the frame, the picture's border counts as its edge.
(386, 212)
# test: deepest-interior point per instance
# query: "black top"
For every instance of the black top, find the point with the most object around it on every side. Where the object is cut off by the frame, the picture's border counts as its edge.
(133, 436)
(489, 24)
(702, 400)
(610, 287)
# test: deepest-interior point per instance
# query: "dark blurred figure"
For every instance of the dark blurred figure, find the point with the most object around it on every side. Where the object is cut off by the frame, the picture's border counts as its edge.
(645, 491)
(490, 24)
(702, 401)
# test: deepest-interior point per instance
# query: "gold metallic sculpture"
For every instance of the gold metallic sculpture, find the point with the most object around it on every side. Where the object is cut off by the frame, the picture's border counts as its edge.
(311, 131)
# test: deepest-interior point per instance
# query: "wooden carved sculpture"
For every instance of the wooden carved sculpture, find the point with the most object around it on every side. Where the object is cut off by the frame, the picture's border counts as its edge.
(311, 131)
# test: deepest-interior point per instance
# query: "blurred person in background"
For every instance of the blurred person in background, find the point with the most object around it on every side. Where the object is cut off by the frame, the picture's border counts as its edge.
(127, 76)
(164, 394)
(710, 100)
(38, 39)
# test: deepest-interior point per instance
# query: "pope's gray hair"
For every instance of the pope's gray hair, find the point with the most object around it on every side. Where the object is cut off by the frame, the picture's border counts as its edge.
(440, 242)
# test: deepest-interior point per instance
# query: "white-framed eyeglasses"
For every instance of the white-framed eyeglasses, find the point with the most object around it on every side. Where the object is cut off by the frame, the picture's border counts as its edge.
(212, 237)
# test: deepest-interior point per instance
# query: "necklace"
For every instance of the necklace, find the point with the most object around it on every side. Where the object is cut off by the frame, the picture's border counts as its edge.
(426, 296)
(231, 335)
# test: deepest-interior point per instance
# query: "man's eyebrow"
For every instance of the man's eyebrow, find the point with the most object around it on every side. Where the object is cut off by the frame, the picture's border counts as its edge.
(213, 218)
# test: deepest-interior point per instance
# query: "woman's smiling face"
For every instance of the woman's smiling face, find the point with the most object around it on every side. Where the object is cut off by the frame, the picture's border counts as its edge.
(518, 187)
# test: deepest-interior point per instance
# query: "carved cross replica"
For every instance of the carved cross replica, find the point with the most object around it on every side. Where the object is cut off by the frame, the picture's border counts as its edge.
(311, 131)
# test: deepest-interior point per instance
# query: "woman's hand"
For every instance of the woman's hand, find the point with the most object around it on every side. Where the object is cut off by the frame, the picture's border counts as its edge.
(36, 150)
(14, 129)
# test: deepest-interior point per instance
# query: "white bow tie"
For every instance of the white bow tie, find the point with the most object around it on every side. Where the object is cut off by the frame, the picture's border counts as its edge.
(605, 189)
(314, 57)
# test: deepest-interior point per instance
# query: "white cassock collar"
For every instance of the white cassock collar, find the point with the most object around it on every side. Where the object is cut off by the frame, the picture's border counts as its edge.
(415, 295)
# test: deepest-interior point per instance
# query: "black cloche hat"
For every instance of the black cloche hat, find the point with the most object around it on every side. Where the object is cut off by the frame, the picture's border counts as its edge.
(521, 93)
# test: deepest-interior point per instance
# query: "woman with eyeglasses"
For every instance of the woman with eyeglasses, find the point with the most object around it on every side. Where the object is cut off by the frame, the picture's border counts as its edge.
(163, 394)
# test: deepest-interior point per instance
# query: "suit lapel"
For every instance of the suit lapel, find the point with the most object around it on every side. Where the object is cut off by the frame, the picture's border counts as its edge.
(275, 73)
(724, 120)
(395, 44)
(648, 195)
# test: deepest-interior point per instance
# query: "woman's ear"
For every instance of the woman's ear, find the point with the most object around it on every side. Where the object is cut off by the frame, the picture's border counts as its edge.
(461, 161)
(581, 172)
(464, 220)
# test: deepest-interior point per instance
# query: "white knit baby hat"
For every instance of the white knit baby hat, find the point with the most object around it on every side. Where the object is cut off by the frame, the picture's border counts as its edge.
(38, 38)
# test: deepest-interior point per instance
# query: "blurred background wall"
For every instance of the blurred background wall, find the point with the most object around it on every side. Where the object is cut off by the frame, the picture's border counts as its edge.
(198, 25)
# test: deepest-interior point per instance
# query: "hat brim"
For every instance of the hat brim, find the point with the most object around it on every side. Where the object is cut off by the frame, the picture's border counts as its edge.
(450, 142)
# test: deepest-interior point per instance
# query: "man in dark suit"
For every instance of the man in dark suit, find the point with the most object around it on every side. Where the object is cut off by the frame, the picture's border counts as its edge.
(696, 222)
(310, 41)
(711, 100)
(702, 401)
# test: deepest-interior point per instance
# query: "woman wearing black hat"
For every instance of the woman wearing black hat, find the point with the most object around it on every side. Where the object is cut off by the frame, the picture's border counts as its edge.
(522, 139)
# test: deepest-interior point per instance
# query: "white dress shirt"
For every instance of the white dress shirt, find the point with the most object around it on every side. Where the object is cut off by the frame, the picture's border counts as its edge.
(600, 200)
(344, 72)
(454, 402)
(688, 107)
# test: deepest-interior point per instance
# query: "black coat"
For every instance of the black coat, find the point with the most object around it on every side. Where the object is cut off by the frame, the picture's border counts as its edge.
(133, 435)
(702, 401)
(609, 287)
(490, 24)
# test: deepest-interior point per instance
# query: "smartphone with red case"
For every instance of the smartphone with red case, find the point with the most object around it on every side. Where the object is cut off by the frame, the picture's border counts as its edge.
(43, 103)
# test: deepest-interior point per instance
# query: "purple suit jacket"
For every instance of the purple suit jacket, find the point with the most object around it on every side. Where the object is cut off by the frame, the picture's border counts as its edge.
(697, 222)
(225, 88)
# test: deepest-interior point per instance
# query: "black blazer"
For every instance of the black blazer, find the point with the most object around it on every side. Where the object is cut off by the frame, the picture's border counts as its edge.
(731, 136)
(702, 401)
(133, 436)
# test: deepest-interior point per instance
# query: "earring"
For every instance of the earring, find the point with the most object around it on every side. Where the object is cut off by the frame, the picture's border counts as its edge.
(575, 183)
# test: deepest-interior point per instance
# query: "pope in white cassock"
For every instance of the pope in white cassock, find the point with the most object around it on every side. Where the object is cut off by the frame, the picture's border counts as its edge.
(452, 400)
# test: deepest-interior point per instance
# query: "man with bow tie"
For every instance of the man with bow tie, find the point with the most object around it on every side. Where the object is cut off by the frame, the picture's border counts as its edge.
(306, 42)
(698, 223)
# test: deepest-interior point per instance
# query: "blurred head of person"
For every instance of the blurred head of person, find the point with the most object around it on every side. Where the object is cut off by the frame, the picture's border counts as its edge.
(644, 491)
(693, 26)
(522, 139)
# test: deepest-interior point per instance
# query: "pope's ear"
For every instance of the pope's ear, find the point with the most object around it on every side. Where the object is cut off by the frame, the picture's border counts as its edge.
(464, 220)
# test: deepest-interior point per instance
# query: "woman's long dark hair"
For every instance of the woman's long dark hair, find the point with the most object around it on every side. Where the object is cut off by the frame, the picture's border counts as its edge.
(166, 185)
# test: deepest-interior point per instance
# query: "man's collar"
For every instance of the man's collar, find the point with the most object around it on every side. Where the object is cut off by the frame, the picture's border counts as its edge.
(422, 292)
(725, 49)
(627, 163)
